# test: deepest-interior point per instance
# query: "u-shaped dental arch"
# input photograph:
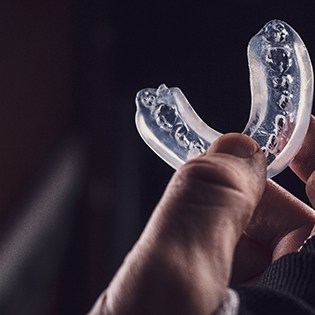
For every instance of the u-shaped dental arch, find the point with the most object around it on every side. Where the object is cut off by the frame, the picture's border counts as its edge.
(281, 80)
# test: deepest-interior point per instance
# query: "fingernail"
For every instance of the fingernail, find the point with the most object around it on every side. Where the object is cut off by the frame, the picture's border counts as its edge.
(234, 144)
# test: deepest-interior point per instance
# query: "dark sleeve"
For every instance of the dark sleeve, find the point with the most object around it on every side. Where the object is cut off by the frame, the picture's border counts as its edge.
(286, 287)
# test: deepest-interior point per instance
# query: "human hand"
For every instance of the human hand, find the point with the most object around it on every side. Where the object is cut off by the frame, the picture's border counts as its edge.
(183, 260)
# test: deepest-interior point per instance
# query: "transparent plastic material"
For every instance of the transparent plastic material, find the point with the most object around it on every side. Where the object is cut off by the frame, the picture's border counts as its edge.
(281, 80)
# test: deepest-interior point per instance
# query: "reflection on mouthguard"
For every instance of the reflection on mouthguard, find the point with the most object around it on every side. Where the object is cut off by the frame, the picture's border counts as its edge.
(281, 80)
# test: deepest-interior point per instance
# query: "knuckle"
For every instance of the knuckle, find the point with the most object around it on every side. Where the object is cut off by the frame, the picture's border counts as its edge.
(211, 172)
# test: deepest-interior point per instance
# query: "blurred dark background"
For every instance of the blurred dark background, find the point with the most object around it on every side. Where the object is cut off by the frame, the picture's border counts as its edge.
(77, 182)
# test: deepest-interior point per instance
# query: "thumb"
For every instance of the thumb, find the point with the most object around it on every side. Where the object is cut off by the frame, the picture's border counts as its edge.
(182, 262)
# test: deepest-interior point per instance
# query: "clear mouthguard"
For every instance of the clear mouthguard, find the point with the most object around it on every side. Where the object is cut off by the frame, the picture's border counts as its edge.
(281, 80)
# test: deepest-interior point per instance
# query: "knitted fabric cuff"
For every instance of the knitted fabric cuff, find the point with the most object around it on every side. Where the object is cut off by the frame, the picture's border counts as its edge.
(294, 274)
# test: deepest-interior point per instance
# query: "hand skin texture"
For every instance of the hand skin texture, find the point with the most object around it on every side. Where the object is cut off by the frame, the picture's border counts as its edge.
(216, 211)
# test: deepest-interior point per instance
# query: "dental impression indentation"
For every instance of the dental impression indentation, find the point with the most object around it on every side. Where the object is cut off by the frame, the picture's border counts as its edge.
(281, 80)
